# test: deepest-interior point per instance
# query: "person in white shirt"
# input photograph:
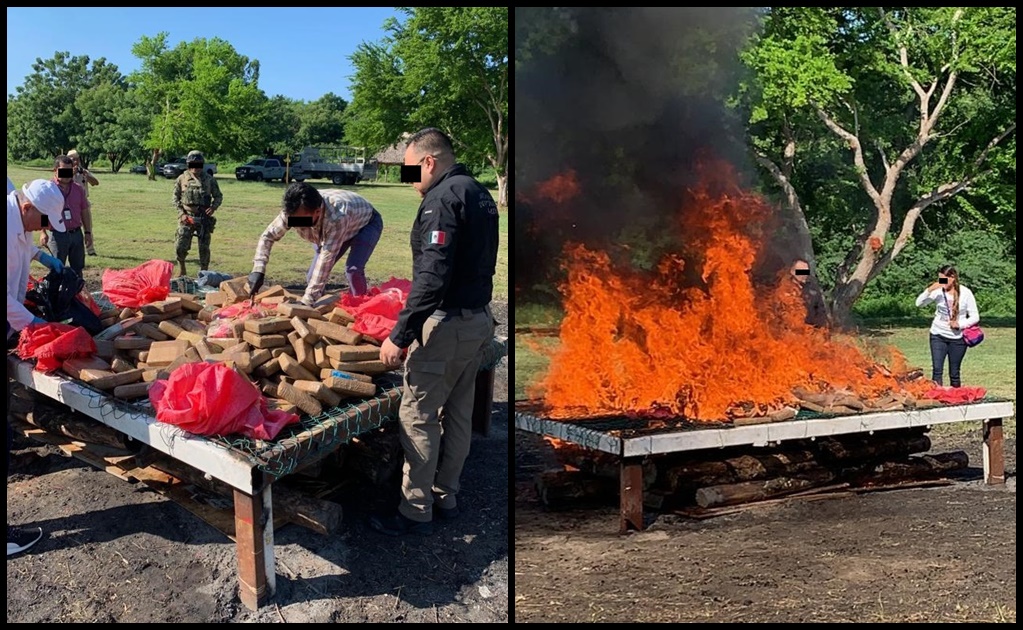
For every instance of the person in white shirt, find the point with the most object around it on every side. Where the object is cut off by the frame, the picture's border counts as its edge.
(956, 310)
(38, 204)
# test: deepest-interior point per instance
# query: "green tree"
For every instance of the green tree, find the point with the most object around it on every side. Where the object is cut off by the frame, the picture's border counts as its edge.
(201, 95)
(882, 115)
(281, 124)
(43, 116)
(112, 124)
(323, 121)
(444, 67)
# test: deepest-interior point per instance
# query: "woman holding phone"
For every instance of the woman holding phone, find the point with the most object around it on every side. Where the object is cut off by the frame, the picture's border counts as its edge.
(956, 310)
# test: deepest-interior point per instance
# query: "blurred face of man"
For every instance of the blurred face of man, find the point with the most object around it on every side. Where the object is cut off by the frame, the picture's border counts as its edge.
(31, 217)
(414, 157)
(316, 214)
(63, 174)
(801, 271)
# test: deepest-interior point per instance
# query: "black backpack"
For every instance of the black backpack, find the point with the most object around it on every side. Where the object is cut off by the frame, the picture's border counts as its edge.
(56, 299)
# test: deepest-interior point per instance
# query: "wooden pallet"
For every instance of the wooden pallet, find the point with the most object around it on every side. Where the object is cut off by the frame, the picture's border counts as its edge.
(210, 500)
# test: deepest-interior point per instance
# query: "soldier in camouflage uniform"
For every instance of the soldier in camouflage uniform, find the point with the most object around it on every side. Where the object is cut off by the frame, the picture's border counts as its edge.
(196, 196)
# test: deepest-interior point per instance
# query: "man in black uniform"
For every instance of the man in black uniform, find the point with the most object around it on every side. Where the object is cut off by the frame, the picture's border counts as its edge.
(444, 325)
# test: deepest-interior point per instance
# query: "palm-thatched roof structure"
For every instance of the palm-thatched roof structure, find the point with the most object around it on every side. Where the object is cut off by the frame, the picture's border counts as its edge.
(394, 154)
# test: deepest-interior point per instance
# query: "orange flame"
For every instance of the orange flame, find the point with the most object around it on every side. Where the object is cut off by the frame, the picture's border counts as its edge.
(643, 343)
(559, 188)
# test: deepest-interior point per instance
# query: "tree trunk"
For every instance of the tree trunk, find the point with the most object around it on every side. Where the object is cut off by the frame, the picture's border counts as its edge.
(502, 190)
(844, 295)
(151, 167)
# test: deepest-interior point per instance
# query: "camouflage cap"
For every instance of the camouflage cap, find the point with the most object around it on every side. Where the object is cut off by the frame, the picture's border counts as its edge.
(194, 156)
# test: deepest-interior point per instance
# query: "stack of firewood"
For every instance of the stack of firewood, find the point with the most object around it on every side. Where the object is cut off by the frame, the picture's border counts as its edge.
(685, 481)
(303, 359)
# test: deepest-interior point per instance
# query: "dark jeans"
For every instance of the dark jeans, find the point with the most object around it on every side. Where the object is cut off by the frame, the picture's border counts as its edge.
(10, 433)
(71, 246)
(941, 347)
(362, 246)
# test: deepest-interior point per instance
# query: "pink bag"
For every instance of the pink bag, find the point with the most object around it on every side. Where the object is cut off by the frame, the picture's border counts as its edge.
(973, 335)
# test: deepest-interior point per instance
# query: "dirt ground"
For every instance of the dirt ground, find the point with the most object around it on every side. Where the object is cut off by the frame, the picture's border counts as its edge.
(118, 552)
(909, 555)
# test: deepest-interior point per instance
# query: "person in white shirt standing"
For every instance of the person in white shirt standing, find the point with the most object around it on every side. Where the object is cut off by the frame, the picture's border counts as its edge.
(38, 204)
(956, 310)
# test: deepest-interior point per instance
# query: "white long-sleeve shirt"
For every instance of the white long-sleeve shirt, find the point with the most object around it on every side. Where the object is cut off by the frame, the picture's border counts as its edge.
(968, 313)
(20, 252)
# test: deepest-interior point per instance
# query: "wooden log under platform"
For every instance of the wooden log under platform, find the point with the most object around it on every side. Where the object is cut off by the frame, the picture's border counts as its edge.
(746, 491)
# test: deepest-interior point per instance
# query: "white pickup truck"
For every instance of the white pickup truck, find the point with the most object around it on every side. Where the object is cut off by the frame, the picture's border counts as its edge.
(267, 169)
(343, 165)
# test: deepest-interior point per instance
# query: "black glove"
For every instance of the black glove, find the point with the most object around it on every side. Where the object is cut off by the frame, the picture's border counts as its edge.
(255, 281)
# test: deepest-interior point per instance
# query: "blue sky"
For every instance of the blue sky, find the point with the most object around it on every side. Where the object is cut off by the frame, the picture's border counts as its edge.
(302, 52)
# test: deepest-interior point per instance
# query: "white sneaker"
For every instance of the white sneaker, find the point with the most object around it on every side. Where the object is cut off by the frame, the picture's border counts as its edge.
(21, 538)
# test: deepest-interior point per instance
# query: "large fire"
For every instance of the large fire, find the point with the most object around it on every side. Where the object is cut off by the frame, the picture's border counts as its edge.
(643, 343)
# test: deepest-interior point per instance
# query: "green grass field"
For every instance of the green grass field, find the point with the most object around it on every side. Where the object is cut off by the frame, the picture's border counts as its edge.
(991, 365)
(135, 221)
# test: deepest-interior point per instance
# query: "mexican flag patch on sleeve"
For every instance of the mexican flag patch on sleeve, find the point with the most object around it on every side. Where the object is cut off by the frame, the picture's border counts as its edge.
(438, 238)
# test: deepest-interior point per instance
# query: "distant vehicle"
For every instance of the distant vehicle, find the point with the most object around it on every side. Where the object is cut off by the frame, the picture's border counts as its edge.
(141, 168)
(174, 168)
(343, 165)
(268, 169)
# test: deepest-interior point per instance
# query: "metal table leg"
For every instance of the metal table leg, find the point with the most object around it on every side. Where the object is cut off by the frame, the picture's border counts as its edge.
(631, 494)
(483, 403)
(994, 452)
(254, 531)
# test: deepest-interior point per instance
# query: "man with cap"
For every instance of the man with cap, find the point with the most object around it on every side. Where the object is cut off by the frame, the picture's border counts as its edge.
(196, 196)
(39, 204)
(83, 178)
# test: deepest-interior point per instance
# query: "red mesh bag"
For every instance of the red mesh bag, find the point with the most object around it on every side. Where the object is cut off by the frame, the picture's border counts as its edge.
(956, 395)
(376, 313)
(52, 344)
(213, 399)
(147, 283)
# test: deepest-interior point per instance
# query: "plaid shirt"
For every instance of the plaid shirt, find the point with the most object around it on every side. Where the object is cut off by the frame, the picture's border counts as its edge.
(346, 213)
